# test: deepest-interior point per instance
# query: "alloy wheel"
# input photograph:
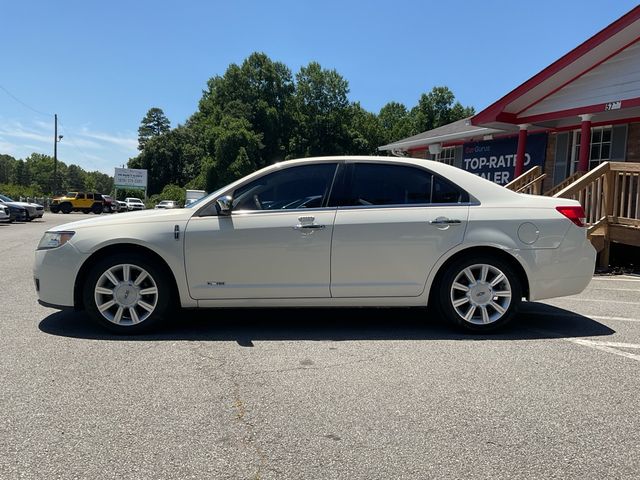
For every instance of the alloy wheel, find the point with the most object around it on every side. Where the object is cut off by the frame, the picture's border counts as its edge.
(126, 294)
(481, 294)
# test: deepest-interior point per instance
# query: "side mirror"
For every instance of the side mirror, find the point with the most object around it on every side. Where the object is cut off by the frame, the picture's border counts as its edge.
(224, 205)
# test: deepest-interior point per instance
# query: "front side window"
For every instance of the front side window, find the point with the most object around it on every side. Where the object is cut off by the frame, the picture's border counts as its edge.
(379, 184)
(306, 186)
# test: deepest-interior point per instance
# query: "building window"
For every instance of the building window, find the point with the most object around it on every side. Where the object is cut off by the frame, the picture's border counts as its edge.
(447, 155)
(600, 149)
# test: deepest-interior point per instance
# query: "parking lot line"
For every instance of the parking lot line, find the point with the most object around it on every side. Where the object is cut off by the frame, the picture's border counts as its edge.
(615, 289)
(605, 347)
(616, 279)
(578, 315)
(604, 301)
(620, 319)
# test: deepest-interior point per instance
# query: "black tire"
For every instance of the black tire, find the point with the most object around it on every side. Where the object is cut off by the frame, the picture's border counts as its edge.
(96, 208)
(492, 309)
(54, 209)
(66, 207)
(159, 278)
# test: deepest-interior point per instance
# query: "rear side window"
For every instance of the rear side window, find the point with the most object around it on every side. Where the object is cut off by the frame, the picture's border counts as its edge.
(80, 196)
(379, 184)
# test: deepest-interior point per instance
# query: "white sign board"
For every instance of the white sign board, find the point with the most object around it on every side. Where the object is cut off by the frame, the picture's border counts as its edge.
(130, 178)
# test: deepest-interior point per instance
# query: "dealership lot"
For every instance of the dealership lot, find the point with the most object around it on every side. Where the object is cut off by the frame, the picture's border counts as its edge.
(346, 393)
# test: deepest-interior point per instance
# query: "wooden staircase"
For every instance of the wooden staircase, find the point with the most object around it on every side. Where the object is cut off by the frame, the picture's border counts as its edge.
(610, 196)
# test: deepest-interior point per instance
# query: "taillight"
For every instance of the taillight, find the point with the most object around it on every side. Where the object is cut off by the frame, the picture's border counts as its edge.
(575, 214)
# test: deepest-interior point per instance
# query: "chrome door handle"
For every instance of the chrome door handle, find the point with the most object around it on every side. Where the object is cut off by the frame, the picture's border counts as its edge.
(308, 226)
(445, 221)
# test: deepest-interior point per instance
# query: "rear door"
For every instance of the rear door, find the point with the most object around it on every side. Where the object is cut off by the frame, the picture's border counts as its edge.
(392, 224)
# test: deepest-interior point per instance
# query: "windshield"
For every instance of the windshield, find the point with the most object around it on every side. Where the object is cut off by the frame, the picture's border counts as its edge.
(5, 198)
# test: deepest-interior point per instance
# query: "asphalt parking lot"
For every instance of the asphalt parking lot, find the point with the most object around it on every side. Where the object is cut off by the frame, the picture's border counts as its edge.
(327, 394)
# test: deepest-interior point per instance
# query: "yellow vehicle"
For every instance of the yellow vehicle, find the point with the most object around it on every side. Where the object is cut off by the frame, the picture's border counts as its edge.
(78, 202)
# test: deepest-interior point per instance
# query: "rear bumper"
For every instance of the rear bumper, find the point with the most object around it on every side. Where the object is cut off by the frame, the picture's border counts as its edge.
(566, 270)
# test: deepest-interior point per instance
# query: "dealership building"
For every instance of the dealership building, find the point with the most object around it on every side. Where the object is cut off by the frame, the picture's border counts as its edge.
(580, 111)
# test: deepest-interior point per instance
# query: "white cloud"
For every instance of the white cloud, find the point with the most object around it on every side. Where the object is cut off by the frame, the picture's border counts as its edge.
(92, 150)
(123, 141)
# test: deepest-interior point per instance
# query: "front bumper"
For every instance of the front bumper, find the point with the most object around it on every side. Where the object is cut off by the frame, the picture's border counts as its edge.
(54, 272)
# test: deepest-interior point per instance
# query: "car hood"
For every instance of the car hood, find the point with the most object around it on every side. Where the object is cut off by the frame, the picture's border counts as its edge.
(25, 204)
(129, 218)
(15, 204)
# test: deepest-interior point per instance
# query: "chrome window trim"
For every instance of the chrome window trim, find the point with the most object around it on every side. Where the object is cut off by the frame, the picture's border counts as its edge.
(356, 207)
(410, 205)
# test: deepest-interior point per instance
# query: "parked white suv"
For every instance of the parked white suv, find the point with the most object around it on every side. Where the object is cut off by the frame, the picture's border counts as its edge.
(134, 203)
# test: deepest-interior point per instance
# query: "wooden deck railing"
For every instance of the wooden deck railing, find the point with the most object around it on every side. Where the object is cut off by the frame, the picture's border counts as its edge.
(529, 182)
(610, 190)
(563, 184)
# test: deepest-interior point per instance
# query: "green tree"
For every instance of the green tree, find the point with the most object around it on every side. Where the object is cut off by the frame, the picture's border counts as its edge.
(20, 175)
(438, 108)
(395, 122)
(173, 192)
(257, 94)
(154, 124)
(7, 167)
(367, 132)
(322, 114)
(174, 157)
(98, 182)
(74, 179)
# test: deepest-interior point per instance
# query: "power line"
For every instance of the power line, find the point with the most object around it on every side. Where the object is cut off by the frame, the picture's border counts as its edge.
(25, 104)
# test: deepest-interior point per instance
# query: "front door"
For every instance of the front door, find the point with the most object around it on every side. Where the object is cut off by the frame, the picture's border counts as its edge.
(275, 244)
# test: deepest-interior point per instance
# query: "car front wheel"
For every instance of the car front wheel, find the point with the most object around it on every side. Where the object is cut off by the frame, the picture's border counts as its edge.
(127, 293)
(479, 293)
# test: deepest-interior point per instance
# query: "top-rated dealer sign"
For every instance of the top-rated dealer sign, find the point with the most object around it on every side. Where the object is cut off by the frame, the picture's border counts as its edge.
(130, 178)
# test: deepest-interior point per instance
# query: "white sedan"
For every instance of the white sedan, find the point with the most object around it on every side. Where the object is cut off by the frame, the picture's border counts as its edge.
(325, 232)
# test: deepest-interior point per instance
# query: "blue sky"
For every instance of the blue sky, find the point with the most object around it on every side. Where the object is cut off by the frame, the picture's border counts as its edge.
(101, 65)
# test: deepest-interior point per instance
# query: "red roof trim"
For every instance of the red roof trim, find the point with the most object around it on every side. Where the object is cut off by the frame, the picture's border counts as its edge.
(490, 113)
(598, 108)
(598, 124)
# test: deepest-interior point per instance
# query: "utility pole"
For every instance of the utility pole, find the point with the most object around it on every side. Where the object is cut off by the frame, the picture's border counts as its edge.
(55, 154)
(56, 139)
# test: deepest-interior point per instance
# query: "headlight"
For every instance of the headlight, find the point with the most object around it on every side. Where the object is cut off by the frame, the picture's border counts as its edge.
(54, 239)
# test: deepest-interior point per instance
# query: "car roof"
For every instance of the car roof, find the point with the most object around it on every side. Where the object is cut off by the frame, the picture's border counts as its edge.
(475, 185)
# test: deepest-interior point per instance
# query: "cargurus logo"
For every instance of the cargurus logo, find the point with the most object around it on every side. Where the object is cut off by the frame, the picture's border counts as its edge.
(478, 149)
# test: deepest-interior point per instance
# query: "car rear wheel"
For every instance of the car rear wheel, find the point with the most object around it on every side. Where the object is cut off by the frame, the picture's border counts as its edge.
(127, 294)
(479, 293)
(96, 208)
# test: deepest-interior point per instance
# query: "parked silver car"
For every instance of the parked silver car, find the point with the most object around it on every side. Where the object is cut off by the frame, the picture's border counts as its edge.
(34, 210)
(5, 216)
